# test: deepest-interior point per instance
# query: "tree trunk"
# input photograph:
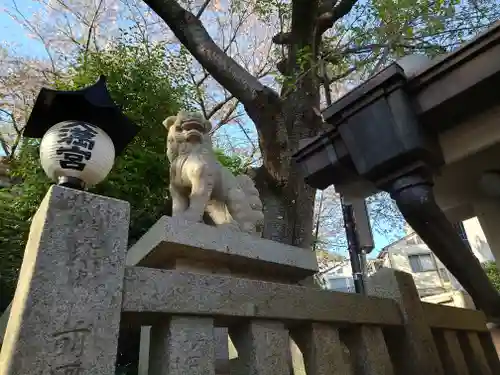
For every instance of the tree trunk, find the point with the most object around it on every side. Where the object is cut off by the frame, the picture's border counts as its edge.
(288, 216)
(288, 202)
(281, 120)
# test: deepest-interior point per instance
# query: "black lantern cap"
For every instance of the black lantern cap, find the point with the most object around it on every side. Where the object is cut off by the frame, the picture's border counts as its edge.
(92, 104)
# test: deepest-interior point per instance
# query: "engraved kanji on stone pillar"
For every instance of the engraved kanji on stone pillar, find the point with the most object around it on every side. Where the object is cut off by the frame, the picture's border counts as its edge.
(65, 314)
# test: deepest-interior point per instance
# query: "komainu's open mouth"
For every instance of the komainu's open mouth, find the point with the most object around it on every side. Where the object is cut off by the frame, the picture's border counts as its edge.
(194, 135)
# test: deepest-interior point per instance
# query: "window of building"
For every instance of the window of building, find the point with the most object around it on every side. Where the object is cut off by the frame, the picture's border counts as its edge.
(421, 262)
(459, 227)
(415, 240)
(411, 241)
(444, 275)
(342, 284)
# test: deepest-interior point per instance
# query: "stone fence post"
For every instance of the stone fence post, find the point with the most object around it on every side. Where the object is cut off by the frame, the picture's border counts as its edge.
(65, 314)
(414, 352)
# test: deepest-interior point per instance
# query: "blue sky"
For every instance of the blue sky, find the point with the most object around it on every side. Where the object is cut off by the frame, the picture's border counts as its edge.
(382, 240)
(14, 36)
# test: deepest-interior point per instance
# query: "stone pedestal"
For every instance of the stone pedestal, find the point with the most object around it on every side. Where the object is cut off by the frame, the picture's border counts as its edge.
(176, 244)
(416, 354)
(65, 315)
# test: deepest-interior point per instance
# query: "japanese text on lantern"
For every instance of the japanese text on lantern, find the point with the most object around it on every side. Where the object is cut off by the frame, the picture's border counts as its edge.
(77, 139)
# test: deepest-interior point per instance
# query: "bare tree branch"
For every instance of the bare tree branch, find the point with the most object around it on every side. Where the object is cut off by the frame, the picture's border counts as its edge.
(391, 44)
(227, 47)
(199, 95)
(91, 28)
(34, 30)
(227, 117)
(218, 106)
(13, 119)
(249, 139)
(14, 145)
(338, 10)
(342, 8)
(4, 145)
(337, 77)
(192, 34)
(202, 9)
(381, 61)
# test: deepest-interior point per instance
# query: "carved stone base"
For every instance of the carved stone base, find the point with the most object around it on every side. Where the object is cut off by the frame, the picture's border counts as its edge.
(173, 243)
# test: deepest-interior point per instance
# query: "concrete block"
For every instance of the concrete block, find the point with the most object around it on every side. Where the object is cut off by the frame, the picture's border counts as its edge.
(227, 298)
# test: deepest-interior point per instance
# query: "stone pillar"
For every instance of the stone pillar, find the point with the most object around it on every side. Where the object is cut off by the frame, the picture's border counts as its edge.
(65, 314)
(264, 346)
(416, 351)
(144, 350)
(220, 335)
(182, 346)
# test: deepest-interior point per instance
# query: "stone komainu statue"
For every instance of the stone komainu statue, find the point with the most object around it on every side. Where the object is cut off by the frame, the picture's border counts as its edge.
(200, 184)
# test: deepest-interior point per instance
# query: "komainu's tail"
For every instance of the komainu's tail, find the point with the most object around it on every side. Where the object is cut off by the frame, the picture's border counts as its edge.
(253, 199)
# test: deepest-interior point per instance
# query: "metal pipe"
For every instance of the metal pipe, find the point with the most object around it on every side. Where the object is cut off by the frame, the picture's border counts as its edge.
(414, 196)
(316, 231)
(353, 245)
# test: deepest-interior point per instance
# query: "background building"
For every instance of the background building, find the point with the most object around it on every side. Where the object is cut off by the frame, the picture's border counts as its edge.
(410, 254)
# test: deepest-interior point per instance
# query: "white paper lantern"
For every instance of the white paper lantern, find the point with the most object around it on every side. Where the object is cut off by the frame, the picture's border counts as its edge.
(79, 150)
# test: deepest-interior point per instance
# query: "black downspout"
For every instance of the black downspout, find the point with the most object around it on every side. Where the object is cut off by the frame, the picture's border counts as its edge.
(415, 198)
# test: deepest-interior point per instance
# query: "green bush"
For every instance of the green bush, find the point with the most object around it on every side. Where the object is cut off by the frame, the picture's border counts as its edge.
(492, 272)
(149, 88)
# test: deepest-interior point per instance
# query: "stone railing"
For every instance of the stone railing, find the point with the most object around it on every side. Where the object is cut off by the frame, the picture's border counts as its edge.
(77, 286)
(382, 336)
